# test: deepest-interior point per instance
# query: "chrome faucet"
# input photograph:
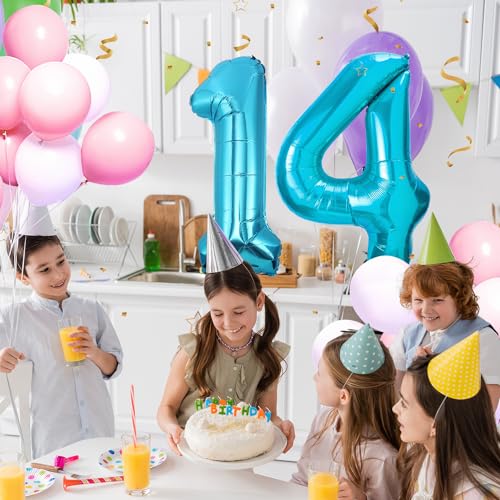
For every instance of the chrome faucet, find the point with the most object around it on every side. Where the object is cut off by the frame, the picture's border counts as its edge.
(183, 260)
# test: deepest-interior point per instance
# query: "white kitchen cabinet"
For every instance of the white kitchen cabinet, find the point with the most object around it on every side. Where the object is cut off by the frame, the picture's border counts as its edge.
(134, 66)
(205, 33)
(438, 30)
(191, 30)
(298, 402)
(487, 141)
(148, 328)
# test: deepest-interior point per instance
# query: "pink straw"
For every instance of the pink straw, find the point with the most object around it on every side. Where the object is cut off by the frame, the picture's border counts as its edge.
(132, 401)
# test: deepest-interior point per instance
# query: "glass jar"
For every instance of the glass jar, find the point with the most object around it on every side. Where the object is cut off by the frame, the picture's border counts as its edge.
(341, 273)
(324, 272)
(306, 261)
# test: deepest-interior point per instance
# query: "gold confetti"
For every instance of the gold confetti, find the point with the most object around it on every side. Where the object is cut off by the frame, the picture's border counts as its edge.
(370, 19)
(314, 311)
(273, 6)
(84, 273)
(460, 150)
(318, 62)
(243, 46)
(393, 90)
(321, 37)
(209, 43)
(398, 46)
(107, 51)
(124, 314)
(466, 21)
(420, 124)
(102, 269)
(401, 177)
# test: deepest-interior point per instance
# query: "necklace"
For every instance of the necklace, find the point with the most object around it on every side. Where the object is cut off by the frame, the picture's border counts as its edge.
(235, 349)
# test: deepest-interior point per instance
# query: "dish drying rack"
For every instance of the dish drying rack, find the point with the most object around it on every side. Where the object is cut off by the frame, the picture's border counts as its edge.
(91, 252)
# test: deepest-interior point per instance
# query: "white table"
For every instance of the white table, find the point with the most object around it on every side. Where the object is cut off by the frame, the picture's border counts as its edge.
(175, 479)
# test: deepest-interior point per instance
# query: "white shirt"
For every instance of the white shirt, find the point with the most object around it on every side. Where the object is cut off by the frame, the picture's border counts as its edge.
(489, 351)
(67, 403)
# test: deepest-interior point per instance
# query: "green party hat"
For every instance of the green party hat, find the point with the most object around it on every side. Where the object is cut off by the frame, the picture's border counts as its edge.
(435, 249)
(362, 353)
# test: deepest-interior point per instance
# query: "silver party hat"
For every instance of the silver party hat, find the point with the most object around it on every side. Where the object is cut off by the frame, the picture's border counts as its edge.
(221, 254)
(31, 220)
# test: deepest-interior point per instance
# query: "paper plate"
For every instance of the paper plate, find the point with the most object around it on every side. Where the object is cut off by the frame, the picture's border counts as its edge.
(112, 459)
(250, 463)
(37, 480)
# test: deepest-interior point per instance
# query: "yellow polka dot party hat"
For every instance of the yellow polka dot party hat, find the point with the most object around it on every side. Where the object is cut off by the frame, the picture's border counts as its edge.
(455, 373)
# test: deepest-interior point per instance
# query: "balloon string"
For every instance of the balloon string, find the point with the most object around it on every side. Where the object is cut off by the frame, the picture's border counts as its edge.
(370, 19)
(107, 51)
(243, 46)
(460, 150)
(454, 78)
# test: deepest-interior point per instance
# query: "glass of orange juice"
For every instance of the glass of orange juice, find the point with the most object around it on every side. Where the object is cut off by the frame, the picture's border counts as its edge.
(323, 481)
(68, 326)
(11, 475)
(136, 457)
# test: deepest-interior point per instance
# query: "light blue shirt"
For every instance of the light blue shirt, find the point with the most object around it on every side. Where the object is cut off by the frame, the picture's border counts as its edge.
(67, 403)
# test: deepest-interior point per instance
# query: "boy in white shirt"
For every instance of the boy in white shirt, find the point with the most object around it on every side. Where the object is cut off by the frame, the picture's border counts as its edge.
(68, 404)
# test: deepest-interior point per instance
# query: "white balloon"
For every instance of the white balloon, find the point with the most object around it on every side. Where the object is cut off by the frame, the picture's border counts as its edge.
(330, 332)
(319, 31)
(97, 79)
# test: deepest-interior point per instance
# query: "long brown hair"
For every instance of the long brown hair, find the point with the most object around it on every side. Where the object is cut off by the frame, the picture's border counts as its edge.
(243, 280)
(370, 414)
(451, 278)
(466, 436)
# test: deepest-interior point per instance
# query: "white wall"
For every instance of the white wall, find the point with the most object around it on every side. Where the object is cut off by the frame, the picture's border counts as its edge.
(459, 195)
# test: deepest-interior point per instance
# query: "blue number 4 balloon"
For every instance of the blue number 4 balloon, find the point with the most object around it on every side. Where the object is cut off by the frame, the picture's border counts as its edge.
(387, 199)
(233, 98)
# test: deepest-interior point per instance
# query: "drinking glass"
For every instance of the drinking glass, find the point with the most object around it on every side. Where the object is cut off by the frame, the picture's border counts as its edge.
(11, 475)
(323, 480)
(136, 456)
(67, 326)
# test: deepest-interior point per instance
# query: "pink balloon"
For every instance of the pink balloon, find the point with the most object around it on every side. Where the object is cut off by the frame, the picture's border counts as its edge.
(478, 245)
(8, 150)
(331, 331)
(116, 149)
(55, 98)
(488, 293)
(36, 35)
(7, 196)
(48, 172)
(375, 290)
(12, 74)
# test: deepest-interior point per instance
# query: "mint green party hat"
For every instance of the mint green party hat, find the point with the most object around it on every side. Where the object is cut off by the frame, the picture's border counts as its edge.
(362, 354)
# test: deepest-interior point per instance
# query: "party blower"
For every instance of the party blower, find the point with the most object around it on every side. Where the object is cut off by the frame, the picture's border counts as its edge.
(67, 482)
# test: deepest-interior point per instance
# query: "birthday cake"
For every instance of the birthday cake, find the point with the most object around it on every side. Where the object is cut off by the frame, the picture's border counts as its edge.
(228, 432)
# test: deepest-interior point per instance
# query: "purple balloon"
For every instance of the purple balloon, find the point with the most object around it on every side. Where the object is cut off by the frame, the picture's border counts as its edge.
(382, 41)
(421, 121)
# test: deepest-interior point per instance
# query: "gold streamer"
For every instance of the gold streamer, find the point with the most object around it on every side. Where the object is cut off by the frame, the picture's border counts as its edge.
(460, 150)
(370, 19)
(454, 78)
(243, 45)
(107, 51)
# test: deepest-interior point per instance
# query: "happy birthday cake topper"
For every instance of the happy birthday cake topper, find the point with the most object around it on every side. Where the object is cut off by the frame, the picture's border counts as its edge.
(227, 407)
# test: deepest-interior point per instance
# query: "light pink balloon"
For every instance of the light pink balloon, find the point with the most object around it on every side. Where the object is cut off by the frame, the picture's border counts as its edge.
(36, 35)
(55, 98)
(12, 74)
(488, 293)
(375, 290)
(7, 196)
(116, 149)
(330, 332)
(8, 150)
(97, 79)
(478, 245)
(48, 172)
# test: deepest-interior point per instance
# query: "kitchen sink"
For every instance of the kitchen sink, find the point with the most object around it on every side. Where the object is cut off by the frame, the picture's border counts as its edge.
(164, 277)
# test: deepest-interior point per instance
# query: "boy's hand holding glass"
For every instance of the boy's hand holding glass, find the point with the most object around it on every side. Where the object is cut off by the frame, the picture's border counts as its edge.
(76, 342)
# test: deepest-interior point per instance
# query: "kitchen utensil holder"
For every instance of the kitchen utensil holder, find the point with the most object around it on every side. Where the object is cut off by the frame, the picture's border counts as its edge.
(96, 253)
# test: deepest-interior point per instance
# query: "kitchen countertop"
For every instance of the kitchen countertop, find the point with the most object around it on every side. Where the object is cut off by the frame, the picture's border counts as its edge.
(310, 291)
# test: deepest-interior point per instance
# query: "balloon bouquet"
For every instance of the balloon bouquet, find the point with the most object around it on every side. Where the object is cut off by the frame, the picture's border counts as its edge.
(45, 95)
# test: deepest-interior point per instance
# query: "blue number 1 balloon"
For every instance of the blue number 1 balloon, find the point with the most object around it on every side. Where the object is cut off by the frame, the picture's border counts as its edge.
(233, 98)
(387, 199)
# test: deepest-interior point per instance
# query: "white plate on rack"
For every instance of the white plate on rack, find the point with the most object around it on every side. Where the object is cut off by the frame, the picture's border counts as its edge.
(82, 227)
(104, 218)
(64, 213)
(274, 452)
(118, 231)
(72, 224)
(93, 225)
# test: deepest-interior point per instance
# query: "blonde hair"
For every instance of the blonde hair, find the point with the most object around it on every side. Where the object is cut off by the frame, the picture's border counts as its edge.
(370, 416)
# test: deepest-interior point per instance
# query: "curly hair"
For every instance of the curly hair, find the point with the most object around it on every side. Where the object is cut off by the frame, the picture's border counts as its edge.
(452, 278)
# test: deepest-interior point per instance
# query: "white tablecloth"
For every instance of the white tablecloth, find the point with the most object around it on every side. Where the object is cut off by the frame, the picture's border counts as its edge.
(175, 479)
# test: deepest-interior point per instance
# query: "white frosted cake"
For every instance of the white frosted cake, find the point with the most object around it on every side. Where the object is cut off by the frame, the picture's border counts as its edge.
(228, 438)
